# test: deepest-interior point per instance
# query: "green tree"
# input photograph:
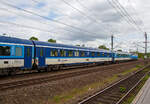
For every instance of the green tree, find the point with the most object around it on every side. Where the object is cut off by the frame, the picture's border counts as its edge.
(78, 45)
(119, 50)
(83, 45)
(34, 38)
(4, 34)
(103, 47)
(52, 40)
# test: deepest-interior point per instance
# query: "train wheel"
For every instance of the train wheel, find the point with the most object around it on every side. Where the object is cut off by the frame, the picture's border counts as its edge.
(12, 71)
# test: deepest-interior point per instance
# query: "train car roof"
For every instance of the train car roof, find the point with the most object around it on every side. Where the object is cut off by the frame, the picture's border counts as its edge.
(63, 46)
(18, 41)
(4, 39)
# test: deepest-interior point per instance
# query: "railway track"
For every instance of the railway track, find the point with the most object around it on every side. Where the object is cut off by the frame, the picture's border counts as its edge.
(62, 69)
(32, 81)
(117, 92)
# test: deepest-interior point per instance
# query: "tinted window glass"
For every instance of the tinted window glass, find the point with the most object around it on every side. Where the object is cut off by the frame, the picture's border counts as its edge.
(62, 53)
(93, 54)
(18, 51)
(70, 53)
(98, 54)
(103, 54)
(82, 54)
(76, 53)
(54, 53)
(4, 51)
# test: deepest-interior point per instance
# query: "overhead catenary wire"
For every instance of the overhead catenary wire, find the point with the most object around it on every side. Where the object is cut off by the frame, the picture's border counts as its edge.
(133, 8)
(81, 12)
(91, 18)
(10, 11)
(25, 26)
(4, 9)
(78, 10)
(123, 14)
(118, 11)
(35, 1)
(131, 19)
(47, 18)
(84, 7)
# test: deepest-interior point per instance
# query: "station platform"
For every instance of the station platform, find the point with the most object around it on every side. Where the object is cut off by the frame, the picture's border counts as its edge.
(143, 96)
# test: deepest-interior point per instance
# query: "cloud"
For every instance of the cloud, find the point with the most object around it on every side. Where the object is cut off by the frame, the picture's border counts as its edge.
(97, 22)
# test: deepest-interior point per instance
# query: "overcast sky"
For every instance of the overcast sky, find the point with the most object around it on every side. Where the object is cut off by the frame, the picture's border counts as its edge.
(89, 22)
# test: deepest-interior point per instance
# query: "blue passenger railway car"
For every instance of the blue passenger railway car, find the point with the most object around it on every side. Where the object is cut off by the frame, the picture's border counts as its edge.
(19, 54)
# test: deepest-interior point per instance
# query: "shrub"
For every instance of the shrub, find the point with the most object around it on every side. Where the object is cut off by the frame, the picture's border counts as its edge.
(122, 89)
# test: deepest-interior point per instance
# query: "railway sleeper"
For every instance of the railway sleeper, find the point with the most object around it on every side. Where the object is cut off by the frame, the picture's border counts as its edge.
(102, 101)
(116, 98)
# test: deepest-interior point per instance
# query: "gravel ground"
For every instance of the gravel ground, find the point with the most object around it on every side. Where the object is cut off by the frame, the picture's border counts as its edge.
(50, 93)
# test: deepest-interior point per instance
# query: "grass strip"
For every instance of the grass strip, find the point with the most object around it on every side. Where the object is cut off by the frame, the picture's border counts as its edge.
(132, 96)
(69, 95)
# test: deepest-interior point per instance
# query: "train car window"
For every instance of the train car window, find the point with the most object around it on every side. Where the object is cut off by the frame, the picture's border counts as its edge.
(41, 52)
(62, 53)
(76, 53)
(55, 53)
(52, 53)
(70, 53)
(88, 53)
(28, 52)
(118, 55)
(82, 54)
(98, 54)
(4, 51)
(108, 55)
(93, 53)
(18, 51)
(103, 54)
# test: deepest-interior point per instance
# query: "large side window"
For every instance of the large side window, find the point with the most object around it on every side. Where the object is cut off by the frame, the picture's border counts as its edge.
(4, 51)
(103, 54)
(82, 54)
(18, 51)
(54, 53)
(70, 53)
(62, 53)
(98, 54)
(76, 53)
(93, 54)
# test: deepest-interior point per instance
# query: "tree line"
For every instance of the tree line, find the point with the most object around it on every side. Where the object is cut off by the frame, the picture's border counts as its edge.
(36, 39)
(54, 41)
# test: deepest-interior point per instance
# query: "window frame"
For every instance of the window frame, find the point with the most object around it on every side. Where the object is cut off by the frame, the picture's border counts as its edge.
(19, 50)
(4, 53)
(98, 54)
(82, 53)
(62, 53)
(93, 54)
(77, 53)
(70, 54)
(53, 53)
